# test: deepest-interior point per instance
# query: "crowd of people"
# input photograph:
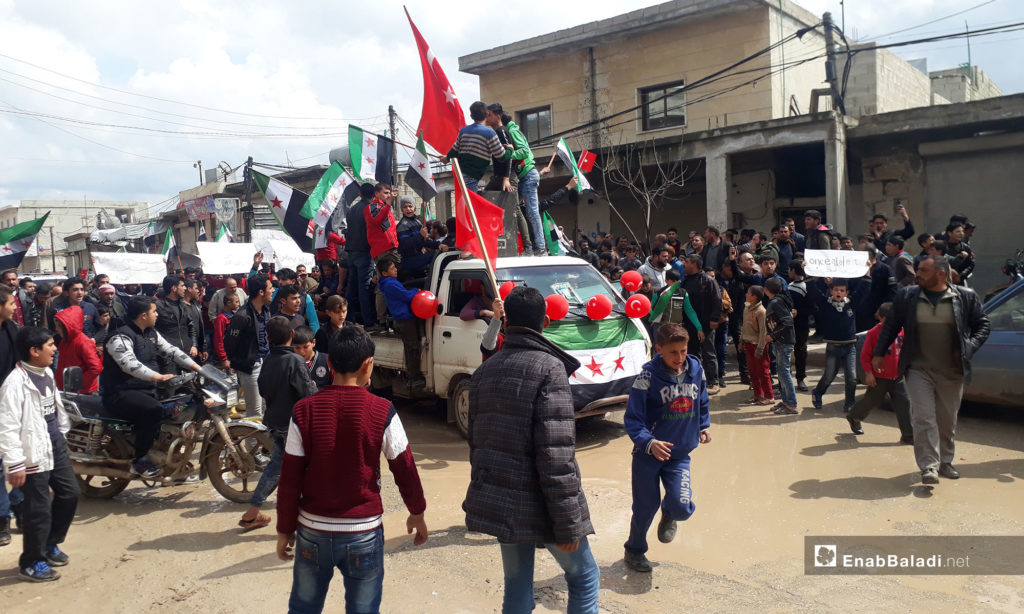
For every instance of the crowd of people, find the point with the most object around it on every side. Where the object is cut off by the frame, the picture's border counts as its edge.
(303, 361)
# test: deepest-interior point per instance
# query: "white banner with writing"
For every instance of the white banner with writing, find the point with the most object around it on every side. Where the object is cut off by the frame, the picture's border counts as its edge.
(131, 268)
(226, 258)
(835, 263)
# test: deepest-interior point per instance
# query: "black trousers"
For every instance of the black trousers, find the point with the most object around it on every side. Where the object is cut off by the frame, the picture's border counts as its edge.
(142, 410)
(410, 332)
(873, 396)
(706, 351)
(46, 522)
(800, 351)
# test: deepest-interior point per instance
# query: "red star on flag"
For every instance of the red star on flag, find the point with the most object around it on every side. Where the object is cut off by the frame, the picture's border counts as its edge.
(370, 142)
(370, 160)
(27, 244)
(324, 212)
(333, 197)
(320, 231)
(276, 202)
(7, 250)
(343, 182)
(594, 366)
(618, 363)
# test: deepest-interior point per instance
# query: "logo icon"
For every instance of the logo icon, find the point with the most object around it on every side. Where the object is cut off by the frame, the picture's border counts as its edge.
(825, 555)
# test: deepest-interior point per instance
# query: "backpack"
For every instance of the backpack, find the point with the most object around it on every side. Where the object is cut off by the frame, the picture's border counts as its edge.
(236, 346)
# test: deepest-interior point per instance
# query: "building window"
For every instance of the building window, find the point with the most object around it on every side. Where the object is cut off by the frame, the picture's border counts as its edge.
(535, 123)
(663, 106)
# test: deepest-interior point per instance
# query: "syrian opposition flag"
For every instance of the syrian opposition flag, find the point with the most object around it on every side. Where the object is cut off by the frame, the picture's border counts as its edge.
(15, 241)
(371, 155)
(570, 161)
(663, 301)
(224, 235)
(611, 353)
(286, 204)
(554, 239)
(335, 189)
(202, 232)
(169, 245)
(419, 176)
(489, 216)
(149, 238)
(441, 118)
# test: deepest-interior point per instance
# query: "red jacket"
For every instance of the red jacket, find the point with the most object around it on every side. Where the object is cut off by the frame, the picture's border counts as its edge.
(77, 350)
(892, 357)
(220, 325)
(381, 231)
(334, 240)
(330, 479)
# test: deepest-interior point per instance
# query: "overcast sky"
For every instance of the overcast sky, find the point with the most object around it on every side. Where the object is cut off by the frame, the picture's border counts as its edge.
(300, 68)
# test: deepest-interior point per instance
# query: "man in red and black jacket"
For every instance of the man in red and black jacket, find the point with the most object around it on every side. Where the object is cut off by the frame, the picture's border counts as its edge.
(380, 223)
(329, 494)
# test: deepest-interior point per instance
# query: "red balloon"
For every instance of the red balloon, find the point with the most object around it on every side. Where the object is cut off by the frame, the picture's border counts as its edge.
(505, 289)
(631, 280)
(638, 306)
(424, 304)
(599, 306)
(557, 306)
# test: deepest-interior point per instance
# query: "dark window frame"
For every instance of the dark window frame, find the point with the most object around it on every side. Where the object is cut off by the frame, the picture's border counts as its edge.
(666, 117)
(526, 126)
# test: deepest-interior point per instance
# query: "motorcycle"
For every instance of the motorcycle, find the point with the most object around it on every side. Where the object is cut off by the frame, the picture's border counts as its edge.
(232, 453)
(1012, 268)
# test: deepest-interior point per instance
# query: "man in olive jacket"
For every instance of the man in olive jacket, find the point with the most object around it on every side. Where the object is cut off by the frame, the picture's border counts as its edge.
(525, 486)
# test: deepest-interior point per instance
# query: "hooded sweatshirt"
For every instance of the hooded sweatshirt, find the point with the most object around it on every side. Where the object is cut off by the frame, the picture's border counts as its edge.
(667, 406)
(77, 350)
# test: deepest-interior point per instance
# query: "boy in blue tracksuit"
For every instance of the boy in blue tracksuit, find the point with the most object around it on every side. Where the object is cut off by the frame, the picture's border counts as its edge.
(399, 301)
(667, 416)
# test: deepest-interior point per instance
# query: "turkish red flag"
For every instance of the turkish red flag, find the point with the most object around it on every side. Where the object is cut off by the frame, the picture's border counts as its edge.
(489, 216)
(586, 161)
(442, 115)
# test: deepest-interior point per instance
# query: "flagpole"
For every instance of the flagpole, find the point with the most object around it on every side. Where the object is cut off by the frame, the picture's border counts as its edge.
(476, 227)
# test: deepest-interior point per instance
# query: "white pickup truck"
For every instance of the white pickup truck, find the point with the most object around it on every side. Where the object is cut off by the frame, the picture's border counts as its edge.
(611, 351)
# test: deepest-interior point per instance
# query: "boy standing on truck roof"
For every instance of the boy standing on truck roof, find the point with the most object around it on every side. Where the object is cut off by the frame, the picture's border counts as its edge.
(667, 417)
(399, 300)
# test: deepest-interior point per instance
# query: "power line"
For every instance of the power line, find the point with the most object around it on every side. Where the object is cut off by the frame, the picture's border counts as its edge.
(928, 23)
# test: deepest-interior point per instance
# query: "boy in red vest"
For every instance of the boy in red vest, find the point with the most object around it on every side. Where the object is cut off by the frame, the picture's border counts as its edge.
(884, 382)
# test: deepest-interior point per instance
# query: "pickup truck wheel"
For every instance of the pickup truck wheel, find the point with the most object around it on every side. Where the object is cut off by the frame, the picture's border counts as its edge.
(458, 401)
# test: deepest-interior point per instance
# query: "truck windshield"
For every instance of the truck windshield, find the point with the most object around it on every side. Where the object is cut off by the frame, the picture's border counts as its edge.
(577, 283)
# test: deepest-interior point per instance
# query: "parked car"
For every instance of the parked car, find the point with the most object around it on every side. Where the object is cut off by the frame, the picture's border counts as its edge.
(998, 365)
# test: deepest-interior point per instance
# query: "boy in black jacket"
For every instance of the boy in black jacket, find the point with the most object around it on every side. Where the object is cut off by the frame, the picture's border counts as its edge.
(781, 335)
(283, 381)
(837, 323)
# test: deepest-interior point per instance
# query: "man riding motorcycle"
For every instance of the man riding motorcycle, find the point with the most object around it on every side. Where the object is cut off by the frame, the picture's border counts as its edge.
(130, 370)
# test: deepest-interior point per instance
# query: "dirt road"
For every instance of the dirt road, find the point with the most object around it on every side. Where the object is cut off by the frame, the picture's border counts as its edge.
(761, 485)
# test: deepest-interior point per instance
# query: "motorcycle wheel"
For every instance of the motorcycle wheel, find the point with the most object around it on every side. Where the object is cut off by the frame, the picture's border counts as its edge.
(101, 486)
(237, 483)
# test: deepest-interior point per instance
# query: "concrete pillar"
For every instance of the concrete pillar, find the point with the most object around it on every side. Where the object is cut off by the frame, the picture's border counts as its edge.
(718, 185)
(835, 174)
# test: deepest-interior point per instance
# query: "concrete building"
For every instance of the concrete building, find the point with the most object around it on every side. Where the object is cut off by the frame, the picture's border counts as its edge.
(963, 84)
(67, 217)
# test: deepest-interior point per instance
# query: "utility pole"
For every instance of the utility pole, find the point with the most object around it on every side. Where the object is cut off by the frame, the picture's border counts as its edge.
(53, 253)
(394, 137)
(830, 63)
(245, 214)
(199, 165)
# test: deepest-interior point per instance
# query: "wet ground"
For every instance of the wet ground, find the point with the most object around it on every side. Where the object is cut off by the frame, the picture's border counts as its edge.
(762, 484)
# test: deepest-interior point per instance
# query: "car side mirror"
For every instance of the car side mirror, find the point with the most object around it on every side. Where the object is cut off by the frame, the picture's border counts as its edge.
(72, 379)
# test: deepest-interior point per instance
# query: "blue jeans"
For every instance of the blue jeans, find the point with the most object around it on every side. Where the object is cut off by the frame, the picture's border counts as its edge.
(840, 355)
(271, 474)
(358, 283)
(7, 500)
(649, 474)
(359, 557)
(581, 574)
(471, 184)
(721, 342)
(783, 352)
(528, 193)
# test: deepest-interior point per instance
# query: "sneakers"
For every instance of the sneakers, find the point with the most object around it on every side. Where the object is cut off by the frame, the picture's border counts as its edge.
(144, 468)
(929, 477)
(55, 558)
(786, 410)
(855, 426)
(948, 471)
(637, 562)
(5, 529)
(666, 529)
(816, 400)
(40, 572)
(801, 386)
(261, 460)
(713, 389)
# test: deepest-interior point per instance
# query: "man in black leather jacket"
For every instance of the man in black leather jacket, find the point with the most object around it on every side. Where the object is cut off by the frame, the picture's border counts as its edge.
(943, 326)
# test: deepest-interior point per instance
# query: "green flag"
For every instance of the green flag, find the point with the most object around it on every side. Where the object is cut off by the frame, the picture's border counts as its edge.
(15, 241)
(663, 301)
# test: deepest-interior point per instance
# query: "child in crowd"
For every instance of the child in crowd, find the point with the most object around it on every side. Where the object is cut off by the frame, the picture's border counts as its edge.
(779, 321)
(399, 298)
(329, 506)
(666, 417)
(884, 382)
(336, 308)
(673, 306)
(836, 322)
(35, 455)
(316, 362)
(754, 336)
(76, 350)
(220, 325)
(283, 381)
(101, 327)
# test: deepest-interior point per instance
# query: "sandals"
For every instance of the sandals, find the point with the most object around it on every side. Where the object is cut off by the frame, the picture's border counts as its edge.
(764, 402)
(260, 521)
